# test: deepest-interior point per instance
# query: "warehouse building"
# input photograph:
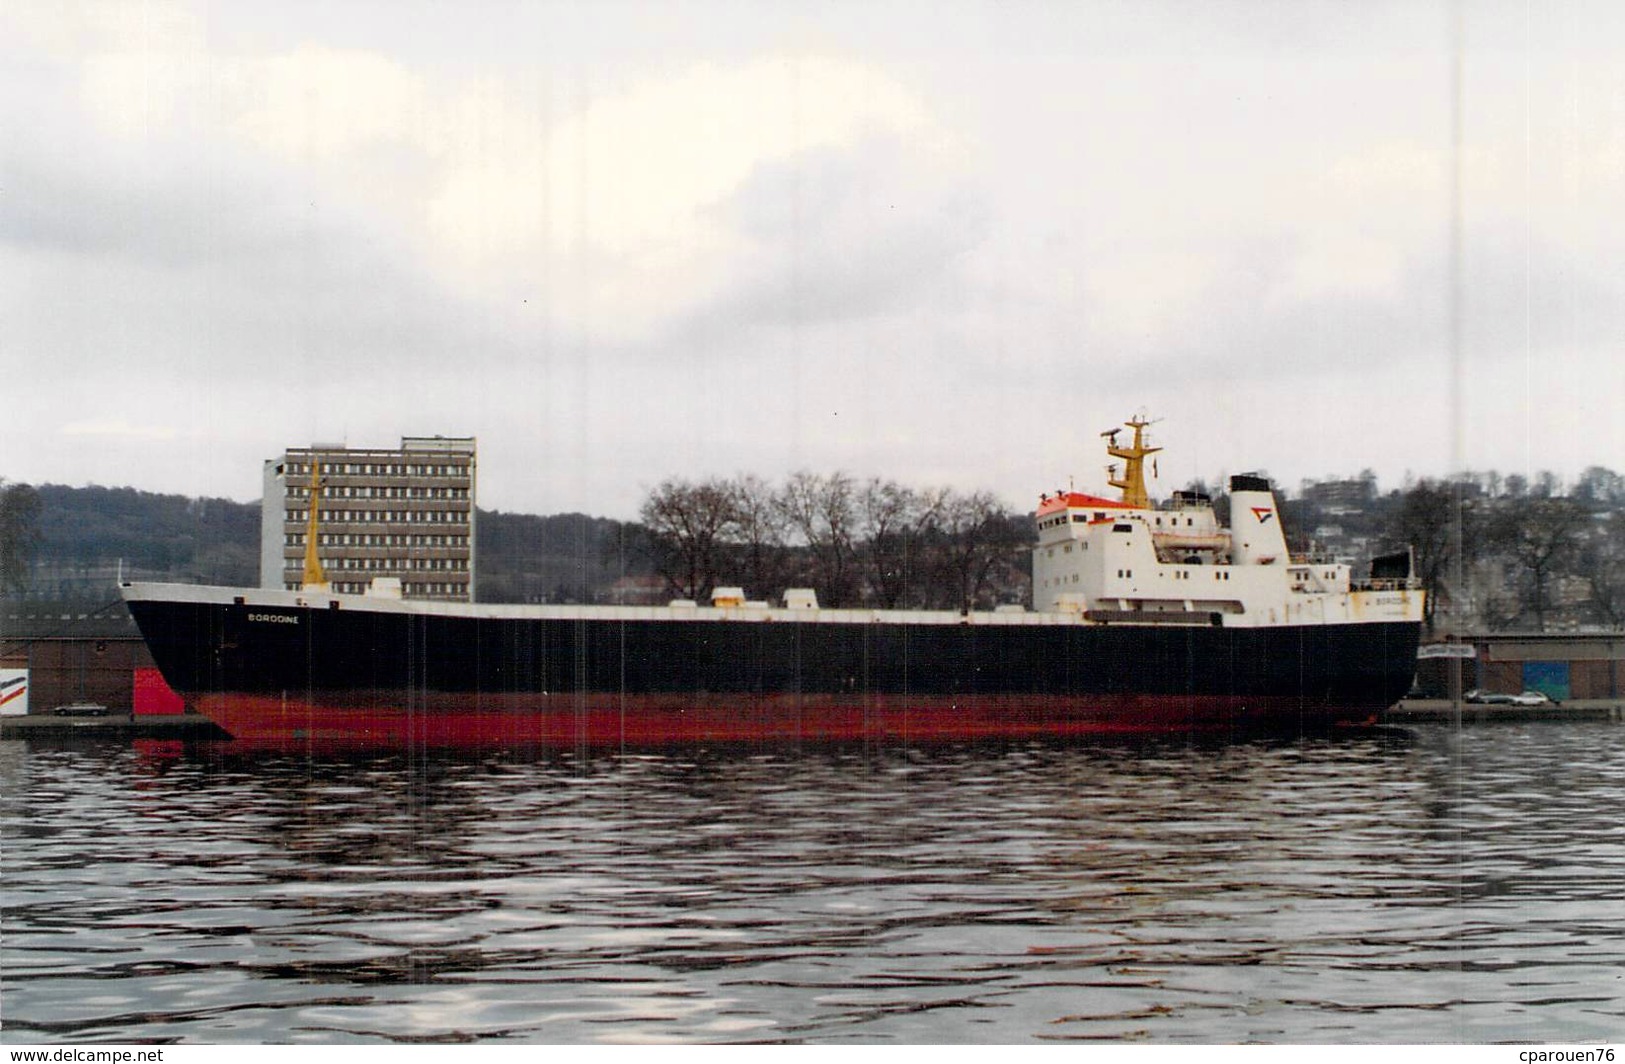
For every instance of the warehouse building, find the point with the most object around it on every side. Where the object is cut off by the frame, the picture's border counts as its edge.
(1578, 666)
(57, 653)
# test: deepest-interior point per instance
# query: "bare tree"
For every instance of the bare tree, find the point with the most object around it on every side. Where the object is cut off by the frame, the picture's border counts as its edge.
(1425, 523)
(894, 522)
(762, 558)
(822, 512)
(978, 539)
(688, 527)
(1539, 537)
(1602, 564)
(1600, 487)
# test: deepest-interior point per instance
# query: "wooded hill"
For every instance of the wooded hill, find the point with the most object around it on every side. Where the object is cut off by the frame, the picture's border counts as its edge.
(84, 537)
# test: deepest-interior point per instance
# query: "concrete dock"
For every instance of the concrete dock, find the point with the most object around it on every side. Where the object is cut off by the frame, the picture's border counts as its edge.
(115, 727)
(1415, 710)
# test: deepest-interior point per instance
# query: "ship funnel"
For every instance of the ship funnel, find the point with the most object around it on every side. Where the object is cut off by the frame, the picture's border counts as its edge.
(1256, 537)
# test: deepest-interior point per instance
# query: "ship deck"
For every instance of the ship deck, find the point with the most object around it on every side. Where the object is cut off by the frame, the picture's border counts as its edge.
(1164, 613)
(293, 600)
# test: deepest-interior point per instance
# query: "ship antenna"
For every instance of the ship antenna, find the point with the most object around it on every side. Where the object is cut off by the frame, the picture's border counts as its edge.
(315, 577)
(1132, 482)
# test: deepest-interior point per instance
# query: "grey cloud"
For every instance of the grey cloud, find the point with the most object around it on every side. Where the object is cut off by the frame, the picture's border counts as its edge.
(1547, 302)
(252, 264)
(843, 236)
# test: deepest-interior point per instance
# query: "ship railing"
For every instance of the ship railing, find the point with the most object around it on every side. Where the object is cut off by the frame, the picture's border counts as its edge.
(1395, 583)
(1313, 557)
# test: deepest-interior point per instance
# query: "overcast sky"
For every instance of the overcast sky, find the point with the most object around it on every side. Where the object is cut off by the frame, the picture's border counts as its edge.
(948, 243)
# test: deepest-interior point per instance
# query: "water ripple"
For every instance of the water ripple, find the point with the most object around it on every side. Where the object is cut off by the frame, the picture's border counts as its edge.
(1440, 885)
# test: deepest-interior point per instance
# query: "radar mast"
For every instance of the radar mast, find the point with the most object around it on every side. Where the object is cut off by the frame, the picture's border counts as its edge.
(1132, 482)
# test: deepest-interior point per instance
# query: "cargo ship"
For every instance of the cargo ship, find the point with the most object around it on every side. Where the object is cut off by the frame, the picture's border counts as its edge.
(1145, 618)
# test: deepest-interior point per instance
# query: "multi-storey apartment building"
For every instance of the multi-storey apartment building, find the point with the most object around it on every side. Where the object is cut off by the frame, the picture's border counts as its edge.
(403, 513)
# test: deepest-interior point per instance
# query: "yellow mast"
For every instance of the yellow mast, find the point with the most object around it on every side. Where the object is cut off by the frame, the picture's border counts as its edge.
(315, 577)
(1132, 482)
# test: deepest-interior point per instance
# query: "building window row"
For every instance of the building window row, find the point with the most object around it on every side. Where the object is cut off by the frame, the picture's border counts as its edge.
(449, 517)
(380, 492)
(376, 539)
(391, 565)
(379, 469)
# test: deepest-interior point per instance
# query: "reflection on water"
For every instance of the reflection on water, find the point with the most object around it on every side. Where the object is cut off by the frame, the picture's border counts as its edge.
(1426, 886)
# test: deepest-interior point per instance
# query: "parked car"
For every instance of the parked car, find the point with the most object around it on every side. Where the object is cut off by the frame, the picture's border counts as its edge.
(81, 709)
(1491, 698)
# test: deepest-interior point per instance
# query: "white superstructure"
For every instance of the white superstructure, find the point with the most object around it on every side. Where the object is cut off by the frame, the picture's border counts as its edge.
(1126, 560)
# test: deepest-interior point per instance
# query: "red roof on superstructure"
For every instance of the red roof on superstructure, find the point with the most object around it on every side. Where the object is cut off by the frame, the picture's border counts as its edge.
(1048, 504)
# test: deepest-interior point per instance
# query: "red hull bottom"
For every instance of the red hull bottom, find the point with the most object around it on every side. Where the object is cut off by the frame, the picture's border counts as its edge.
(564, 720)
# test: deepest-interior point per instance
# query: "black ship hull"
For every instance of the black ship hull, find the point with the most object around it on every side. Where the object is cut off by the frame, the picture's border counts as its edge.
(401, 676)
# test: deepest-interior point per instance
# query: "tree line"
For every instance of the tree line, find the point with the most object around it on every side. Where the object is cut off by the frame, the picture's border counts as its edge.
(1499, 552)
(1492, 551)
(856, 543)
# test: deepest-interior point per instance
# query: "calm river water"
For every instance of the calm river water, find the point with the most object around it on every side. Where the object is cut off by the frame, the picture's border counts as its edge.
(1427, 885)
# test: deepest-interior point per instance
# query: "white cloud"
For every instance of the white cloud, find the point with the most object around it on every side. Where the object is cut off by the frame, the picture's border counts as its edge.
(1392, 170)
(317, 104)
(620, 195)
(508, 182)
